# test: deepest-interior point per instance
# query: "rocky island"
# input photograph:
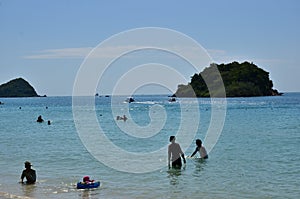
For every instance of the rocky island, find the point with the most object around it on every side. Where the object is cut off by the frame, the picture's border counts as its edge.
(17, 88)
(240, 80)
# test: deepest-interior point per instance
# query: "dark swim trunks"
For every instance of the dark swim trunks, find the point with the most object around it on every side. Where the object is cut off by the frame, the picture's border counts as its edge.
(177, 163)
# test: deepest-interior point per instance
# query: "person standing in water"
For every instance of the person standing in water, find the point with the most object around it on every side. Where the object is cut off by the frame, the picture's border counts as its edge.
(28, 173)
(174, 153)
(201, 149)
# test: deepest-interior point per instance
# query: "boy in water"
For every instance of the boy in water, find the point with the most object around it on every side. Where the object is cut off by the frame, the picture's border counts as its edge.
(201, 149)
(28, 173)
(174, 153)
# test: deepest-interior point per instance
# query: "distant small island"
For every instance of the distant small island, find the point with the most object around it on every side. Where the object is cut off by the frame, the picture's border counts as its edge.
(240, 80)
(17, 88)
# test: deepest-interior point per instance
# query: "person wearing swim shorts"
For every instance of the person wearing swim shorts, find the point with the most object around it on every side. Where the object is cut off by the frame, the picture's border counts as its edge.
(174, 153)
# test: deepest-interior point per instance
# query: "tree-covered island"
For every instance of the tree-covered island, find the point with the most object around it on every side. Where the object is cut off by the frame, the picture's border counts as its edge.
(17, 88)
(239, 79)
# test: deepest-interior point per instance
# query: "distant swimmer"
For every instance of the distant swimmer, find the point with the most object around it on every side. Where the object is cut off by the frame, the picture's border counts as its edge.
(124, 118)
(28, 173)
(201, 149)
(174, 153)
(40, 119)
(49, 122)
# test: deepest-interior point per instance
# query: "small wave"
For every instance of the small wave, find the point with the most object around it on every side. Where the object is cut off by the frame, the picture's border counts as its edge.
(146, 102)
(12, 196)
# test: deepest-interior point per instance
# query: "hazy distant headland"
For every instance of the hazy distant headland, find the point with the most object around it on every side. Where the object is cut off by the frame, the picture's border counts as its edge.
(17, 88)
(240, 80)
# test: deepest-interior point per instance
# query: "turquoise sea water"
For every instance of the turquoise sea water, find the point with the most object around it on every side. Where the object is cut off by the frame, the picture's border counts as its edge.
(256, 156)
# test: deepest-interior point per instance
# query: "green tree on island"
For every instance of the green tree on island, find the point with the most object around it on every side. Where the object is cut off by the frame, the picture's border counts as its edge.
(240, 80)
(17, 88)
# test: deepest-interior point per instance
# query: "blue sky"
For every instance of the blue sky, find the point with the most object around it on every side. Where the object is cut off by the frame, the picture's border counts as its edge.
(45, 42)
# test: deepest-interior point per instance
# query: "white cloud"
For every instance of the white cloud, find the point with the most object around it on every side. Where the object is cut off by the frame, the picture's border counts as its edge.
(103, 52)
(71, 53)
(60, 53)
(217, 55)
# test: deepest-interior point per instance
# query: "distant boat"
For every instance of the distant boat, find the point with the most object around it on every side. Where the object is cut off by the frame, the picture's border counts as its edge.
(173, 99)
(129, 100)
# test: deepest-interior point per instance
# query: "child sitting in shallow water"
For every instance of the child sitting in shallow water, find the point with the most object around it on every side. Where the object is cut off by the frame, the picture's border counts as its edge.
(86, 180)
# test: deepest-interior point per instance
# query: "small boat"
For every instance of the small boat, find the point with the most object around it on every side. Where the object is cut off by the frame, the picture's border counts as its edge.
(173, 99)
(82, 185)
(129, 100)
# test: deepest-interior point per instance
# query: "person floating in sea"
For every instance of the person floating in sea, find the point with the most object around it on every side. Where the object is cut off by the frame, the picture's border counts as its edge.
(86, 180)
(29, 174)
(40, 119)
(124, 118)
(201, 149)
(49, 122)
(174, 153)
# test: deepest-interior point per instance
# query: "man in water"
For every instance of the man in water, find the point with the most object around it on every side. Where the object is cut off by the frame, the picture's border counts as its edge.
(28, 173)
(174, 153)
(40, 119)
(201, 149)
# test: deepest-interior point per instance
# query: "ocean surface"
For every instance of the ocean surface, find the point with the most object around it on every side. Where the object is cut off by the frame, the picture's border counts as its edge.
(257, 154)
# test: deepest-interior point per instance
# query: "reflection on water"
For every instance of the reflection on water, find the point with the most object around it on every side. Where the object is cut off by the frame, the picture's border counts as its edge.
(28, 190)
(174, 174)
(89, 194)
(199, 164)
(85, 194)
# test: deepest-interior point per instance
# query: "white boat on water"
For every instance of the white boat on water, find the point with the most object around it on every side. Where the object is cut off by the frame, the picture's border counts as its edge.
(129, 99)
